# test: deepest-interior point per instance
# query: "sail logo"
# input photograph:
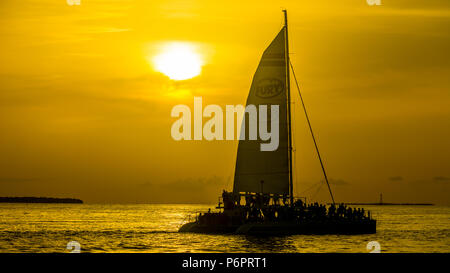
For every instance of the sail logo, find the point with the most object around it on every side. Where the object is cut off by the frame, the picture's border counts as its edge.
(253, 117)
(269, 88)
(374, 2)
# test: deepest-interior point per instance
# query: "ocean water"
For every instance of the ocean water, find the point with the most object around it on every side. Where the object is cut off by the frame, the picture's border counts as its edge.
(153, 228)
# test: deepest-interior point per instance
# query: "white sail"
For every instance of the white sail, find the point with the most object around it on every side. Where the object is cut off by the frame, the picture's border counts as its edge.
(266, 171)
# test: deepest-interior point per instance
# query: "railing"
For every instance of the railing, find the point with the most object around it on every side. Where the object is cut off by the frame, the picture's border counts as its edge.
(187, 218)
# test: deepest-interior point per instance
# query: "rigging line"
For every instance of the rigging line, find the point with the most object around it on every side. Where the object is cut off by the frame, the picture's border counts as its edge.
(311, 187)
(312, 134)
(232, 169)
(230, 173)
(294, 149)
(317, 191)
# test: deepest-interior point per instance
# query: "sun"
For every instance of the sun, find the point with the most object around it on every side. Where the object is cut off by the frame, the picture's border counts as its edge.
(178, 61)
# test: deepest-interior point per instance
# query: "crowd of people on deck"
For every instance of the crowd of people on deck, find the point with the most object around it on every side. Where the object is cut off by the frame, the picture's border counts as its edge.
(320, 211)
(277, 207)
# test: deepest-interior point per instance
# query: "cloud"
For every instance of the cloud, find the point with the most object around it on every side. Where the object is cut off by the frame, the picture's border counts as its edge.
(187, 190)
(16, 179)
(338, 182)
(441, 179)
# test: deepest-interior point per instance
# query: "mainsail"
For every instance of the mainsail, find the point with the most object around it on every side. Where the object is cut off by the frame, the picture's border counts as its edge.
(263, 172)
(266, 171)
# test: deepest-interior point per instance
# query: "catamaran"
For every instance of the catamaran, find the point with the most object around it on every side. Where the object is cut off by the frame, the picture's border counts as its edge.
(262, 201)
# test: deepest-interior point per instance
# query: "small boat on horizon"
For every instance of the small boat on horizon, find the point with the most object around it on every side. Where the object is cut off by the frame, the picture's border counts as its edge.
(381, 203)
(262, 200)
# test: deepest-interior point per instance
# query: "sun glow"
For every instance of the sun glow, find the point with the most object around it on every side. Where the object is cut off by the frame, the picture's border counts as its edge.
(178, 61)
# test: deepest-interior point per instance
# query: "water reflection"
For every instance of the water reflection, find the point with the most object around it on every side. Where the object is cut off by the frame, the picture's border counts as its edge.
(153, 228)
(269, 244)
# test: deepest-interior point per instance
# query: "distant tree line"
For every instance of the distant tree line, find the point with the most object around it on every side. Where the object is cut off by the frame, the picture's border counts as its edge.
(39, 200)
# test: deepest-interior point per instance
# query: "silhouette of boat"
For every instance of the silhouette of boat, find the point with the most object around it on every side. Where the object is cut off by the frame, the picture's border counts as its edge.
(263, 180)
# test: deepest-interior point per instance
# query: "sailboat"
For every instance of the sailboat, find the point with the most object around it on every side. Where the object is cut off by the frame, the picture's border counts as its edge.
(262, 201)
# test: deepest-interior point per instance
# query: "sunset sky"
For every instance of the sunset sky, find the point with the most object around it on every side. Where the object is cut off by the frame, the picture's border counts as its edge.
(84, 112)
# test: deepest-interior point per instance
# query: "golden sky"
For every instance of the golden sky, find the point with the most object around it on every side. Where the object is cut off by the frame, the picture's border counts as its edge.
(84, 114)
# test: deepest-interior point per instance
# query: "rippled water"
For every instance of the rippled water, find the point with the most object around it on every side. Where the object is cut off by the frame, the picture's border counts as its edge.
(153, 228)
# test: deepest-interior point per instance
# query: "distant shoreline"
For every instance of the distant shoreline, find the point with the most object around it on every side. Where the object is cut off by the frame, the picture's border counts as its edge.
(390, 204)
(40, 200)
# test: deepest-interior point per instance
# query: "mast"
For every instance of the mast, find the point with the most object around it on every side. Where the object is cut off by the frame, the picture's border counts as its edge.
(288, 86)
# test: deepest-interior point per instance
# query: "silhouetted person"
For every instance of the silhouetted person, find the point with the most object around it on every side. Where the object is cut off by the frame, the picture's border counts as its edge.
(276, 200)
(331, 211)
(349, 213)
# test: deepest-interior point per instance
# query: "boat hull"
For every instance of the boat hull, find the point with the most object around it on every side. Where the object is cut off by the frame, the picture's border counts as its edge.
(208, 229)
(287, 228)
